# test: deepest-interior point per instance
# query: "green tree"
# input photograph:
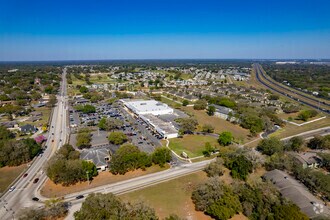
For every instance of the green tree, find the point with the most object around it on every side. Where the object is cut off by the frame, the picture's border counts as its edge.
(294, 144)
(208, 149)
(49, 89)
(117, 137)
(289, 212)
(161, 155)
(240, 166)
(185, 102)
(187, 125)
(270, 146)
(252, 122)
(110, 124)
(5, 133)
(225, 138)
(52, 101)
(319, 142)
(208, 128)
(325, 160)
(215, 168)
(200, 104)
(216, 199)
(210, 110)
(84, 140)
(83, 89)
(107, 206)
(128, 158)
(225, 207)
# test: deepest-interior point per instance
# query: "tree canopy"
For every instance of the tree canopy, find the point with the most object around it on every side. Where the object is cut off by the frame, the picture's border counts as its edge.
(117, 137)
(107, 206)
(225, 138)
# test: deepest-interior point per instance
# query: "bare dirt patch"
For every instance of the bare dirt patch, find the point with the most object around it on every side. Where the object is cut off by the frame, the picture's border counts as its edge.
(50, 189)
(9, 174)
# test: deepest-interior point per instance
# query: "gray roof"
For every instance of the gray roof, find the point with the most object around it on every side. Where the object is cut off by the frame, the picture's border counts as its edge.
(28, 128)
(295, 191)
(222, 109)
(97, 155)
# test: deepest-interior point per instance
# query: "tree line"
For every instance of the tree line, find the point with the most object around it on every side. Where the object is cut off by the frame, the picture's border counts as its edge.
(16, 152)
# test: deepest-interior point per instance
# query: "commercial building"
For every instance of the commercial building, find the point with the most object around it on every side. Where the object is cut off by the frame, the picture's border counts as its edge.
(150, 111)
(142, 107)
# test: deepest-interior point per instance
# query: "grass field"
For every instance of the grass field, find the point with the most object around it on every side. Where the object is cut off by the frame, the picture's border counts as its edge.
(193, 145)
(9, 174)
(172, 197)
(44, 118)
(220, 125)
(51, 190)
(291, 129)
(171, 103)
(101, 78)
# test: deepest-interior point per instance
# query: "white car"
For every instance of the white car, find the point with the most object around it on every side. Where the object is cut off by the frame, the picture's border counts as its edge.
(12, 188)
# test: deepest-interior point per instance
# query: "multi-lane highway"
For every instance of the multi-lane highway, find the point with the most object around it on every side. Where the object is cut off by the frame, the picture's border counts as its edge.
(295, 95)
(25, 188)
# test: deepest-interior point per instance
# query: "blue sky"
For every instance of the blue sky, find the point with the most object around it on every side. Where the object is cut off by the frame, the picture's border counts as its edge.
(162, 29)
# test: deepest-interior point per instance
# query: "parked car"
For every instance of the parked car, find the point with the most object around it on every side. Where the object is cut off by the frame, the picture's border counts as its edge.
(25, 175)
(35, 180)
(80, 197)
(35, 199)
(12, 188)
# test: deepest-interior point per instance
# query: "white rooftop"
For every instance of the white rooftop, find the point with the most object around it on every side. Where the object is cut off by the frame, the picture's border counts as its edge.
(148, 107)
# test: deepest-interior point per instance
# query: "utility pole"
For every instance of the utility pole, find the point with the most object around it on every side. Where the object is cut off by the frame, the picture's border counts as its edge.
(87, 176)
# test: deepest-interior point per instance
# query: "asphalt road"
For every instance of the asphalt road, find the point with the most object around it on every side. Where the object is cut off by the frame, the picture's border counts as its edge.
(277, 87)
(135, 183)
(12, 202)
(310, 134)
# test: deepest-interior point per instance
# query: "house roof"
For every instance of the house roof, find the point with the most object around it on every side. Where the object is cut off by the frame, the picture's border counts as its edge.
(308, 157)
(28, 127)
(297, 193)
(222, 109)
(97, 155)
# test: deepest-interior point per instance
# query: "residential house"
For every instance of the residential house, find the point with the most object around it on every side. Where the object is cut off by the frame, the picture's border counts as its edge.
(308, 159)
(222, 112)
(28, 129)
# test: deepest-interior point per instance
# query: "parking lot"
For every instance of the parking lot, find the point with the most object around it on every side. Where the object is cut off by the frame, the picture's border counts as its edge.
(137, 132)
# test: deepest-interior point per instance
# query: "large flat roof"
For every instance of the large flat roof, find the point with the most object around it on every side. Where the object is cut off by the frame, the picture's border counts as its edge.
(147, 107)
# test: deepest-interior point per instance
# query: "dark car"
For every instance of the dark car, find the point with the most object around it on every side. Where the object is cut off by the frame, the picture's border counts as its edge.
(35, 199)
(35, 180)
(25, 175)
(80, 197)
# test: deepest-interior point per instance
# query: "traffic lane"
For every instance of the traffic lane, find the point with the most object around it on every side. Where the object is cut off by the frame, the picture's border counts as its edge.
(142, 180)
(21, 198)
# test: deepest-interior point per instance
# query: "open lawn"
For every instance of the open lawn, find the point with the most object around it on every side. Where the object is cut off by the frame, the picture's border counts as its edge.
(50, 189)
(171, 197)
(101, 78)
(193, 145)
(290, 129)
(220, 125)
(9, 174)
(171, 103)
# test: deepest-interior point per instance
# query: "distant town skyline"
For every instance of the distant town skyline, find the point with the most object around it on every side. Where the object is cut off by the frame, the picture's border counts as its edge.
(164, 29)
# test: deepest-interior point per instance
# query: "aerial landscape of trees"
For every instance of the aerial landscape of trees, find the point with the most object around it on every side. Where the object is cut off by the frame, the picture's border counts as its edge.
(67, 168)
(16, 152)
